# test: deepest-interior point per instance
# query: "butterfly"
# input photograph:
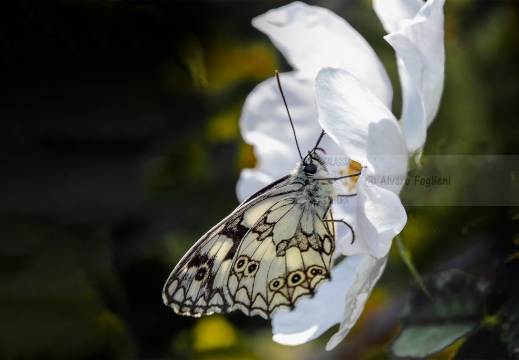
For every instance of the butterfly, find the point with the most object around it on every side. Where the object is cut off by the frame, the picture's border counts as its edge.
(273, 250)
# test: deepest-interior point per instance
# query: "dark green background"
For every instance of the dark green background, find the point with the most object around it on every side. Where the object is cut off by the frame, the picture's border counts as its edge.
(119, 148)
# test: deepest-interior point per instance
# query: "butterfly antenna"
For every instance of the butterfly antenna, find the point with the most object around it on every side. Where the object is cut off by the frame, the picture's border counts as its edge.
(318, 141)
(316, 147)
(288, 112)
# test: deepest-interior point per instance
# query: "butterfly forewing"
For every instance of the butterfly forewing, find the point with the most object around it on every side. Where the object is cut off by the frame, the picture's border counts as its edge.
(272, 251)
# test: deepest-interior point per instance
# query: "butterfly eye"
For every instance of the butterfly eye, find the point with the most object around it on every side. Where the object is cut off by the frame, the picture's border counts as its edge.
(310, 169)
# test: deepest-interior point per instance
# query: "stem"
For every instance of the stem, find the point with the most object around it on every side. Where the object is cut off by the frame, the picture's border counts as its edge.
(406, 257)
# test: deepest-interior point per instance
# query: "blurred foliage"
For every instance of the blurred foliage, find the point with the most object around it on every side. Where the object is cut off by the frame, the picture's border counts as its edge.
(510, 325)
(429, 326)
(120, 147)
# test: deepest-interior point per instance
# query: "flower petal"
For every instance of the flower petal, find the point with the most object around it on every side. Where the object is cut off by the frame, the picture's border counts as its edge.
(419, 45)
(264, 124)
(250, 181)
(361, 125)
(391, 12)
(311, 38)
(380, 217)
(312, 317)
(368, 272)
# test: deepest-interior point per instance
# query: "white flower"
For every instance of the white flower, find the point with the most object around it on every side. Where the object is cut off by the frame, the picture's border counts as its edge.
(339, 81)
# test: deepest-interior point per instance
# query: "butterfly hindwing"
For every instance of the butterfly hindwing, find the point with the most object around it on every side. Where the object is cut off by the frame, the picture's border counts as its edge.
(283, 258)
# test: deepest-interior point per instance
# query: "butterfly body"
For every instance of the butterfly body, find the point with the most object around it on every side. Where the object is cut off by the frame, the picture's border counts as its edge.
(269, 253)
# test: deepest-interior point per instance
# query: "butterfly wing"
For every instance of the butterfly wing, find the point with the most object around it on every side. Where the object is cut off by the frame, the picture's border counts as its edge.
(272, 251)
(283, 257)
(198, 284)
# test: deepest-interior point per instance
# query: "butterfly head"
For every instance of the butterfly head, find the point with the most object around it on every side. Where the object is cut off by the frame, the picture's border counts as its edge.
(312, 165)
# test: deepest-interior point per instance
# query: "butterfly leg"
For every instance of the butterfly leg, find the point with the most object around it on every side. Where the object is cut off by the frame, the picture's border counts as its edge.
(348, 225)
(344, 199)
(338, 178)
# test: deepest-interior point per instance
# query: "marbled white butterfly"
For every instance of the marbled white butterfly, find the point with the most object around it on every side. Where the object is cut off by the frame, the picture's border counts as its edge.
(273, 250)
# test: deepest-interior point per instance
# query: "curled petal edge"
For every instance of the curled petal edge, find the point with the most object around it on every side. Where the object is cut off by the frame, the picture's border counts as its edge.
(419, 44)
(367, 275)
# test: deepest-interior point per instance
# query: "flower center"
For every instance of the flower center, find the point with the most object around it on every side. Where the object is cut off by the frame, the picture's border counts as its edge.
(352, 169)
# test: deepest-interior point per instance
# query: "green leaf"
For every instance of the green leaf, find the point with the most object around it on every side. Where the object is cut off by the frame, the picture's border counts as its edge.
(423, 341)
(430, 327)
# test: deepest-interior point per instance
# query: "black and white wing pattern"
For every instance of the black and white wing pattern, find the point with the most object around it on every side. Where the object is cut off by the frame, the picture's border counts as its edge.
(272, 251)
